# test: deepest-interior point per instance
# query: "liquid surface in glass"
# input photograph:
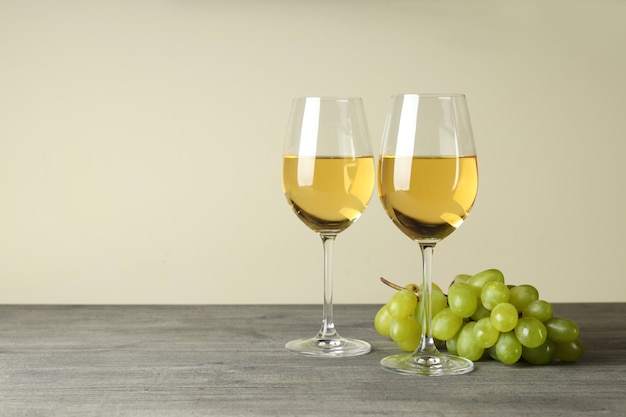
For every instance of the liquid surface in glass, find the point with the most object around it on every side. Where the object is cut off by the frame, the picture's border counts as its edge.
(427, 197)
(328, 193)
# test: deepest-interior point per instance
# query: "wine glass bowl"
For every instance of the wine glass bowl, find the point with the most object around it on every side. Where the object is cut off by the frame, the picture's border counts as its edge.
(326, 206)
(328, 177)
(427, 184)
(438, 196)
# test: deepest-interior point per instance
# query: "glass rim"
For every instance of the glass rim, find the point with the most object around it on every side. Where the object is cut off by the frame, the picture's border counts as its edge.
(329, 98)
(429, 95)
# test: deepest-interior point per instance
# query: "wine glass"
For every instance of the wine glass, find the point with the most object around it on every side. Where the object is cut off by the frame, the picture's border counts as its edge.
(427, 183)
(328, 177)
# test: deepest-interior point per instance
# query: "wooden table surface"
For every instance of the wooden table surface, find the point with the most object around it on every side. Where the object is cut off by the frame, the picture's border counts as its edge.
(230, 361)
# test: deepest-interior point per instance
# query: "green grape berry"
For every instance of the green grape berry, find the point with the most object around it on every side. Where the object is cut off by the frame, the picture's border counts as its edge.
(480, 312)
(451, 344)
(438, 300)
(382, 321)
(485, 335)
(539, 309)
(446, 324)
(568, 351)
(462, 278)
(562, 330)
(462, 299)
(404, 328)
(410, 344)
(508, 349)
(530, 332)
(522, 295)
(504, 317)
(494, 293)
(480, 279)
(540, 355)
(402, 304)
(465, 345)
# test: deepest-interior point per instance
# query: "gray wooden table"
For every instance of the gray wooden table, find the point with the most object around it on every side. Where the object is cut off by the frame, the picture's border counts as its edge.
(230, 361)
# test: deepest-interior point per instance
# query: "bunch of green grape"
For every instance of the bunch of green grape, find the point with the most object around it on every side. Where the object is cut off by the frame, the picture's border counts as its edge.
(480, 317)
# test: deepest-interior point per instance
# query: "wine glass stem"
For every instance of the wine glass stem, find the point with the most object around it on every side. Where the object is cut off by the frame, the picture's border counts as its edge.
(427, 344)
(328, 326)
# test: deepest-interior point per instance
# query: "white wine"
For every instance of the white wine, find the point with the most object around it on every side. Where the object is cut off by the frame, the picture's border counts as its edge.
(427, 197)
(328, 193)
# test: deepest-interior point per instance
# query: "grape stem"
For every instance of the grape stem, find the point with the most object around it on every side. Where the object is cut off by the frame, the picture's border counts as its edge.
(411, 287)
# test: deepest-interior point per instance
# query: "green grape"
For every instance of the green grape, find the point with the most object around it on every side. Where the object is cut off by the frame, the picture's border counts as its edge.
(382, 321)
(539, 309)
(462, 278)
(504, 317)
(451, 345)
(480, 279)
(446, 324)
(462, 299)
(541, 355)
(508, 349)
(494, 293)
(480, 312)
(438, 301)
(530, 332)
(404, 328)
(485, 335)
(522, 295)
(402, 304)
(465, 345)
(568, 351)
(419, 312)
(562, 330)
(410, 344)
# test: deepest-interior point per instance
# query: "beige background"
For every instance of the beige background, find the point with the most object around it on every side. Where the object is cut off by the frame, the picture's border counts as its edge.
(140, 145)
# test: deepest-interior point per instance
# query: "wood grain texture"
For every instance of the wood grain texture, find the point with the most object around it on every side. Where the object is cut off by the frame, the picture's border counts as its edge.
(229, 361)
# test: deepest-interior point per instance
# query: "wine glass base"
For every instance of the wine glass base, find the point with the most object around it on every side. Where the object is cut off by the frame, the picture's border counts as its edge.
(329, 347)
(438, 364)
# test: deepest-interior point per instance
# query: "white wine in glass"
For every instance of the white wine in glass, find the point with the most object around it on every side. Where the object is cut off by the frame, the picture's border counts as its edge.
(328, 178)
(427, 183)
